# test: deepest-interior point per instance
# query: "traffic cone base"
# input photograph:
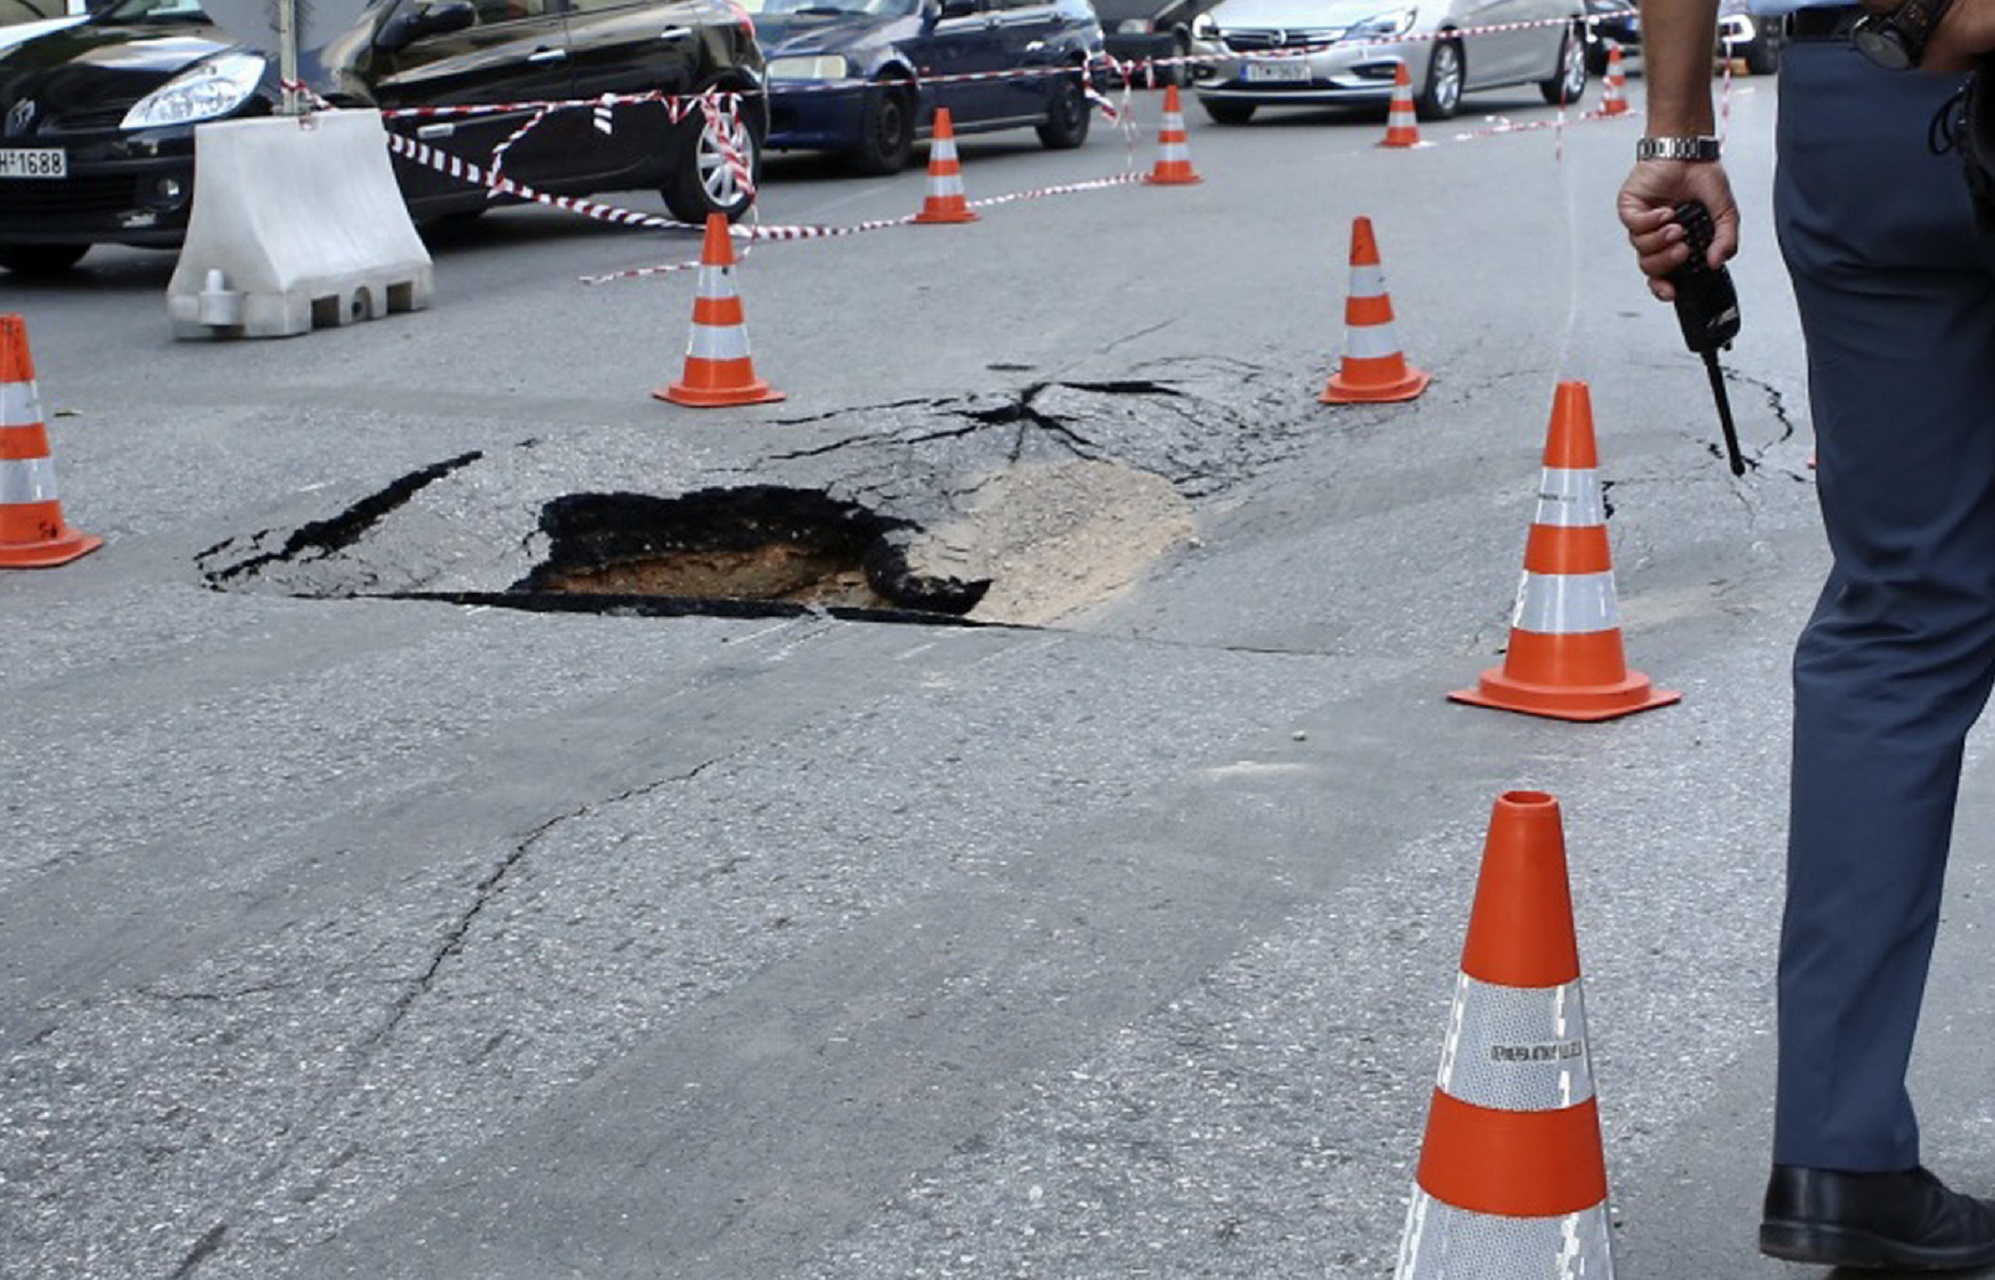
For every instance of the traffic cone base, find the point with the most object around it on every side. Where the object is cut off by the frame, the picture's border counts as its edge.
(1565, 657)
(33, 534)
(1375, 387)
(718, 369)
(1512, 1178)
(945, 202)
(1173, 168)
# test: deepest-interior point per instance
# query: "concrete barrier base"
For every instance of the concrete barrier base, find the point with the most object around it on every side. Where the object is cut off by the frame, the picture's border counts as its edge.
(297, 224)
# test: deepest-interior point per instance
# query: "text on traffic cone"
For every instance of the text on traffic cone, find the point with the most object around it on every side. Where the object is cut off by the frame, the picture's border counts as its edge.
(718, 369)
(1373, 368)
(33, 534)
(1512, 1180)
(1565, 657)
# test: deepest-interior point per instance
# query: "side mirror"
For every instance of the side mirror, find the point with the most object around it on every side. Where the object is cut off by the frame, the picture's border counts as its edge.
(415, 21)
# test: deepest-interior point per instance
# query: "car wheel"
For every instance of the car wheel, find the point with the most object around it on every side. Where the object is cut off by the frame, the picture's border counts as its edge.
(1224, 112)
(41, 259)
(1181, 72)
(705, 182)
(1441, 96)
(1762, 57)
(1067, 116)
(886, 129)
(1565, 88)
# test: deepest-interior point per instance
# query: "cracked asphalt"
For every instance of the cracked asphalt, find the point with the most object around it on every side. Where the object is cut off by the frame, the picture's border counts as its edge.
(347, 933)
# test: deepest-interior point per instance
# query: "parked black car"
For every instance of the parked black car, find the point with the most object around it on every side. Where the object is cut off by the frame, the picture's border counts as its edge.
(1150, 31)
(1611, 21)
(97, 120)
(864, 77)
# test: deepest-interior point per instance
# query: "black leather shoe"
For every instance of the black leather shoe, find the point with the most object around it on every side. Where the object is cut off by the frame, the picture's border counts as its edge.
(1906, 1221)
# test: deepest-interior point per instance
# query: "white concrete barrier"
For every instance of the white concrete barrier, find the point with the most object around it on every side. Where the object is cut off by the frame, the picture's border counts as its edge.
(297, 224)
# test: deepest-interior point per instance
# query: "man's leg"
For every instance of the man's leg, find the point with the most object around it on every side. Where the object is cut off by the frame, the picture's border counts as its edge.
(1897, 298)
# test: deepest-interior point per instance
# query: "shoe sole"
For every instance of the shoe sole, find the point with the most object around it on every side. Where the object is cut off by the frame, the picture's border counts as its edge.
(1835, 1247)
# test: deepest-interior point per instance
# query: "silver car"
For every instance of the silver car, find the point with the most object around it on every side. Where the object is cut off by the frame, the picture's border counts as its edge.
(1316, 53)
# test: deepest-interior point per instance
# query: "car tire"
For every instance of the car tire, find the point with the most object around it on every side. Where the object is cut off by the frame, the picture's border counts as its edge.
(1068, 115)
(1441, 95)
(1762, 57)
(1569, 85)
(1181, 72)
(41, 259)
(702, 182)
(1225, 112)
(886, 129)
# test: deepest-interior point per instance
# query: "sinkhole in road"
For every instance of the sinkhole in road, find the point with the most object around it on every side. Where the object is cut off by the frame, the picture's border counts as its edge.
(752, 545)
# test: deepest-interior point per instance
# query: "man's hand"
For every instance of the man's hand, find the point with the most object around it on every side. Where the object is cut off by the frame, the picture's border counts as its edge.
(1967, 29)
(1647, 207)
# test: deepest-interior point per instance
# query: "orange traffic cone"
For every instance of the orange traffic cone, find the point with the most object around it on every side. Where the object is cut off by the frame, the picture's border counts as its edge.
(33, 534)
(945, 202)
(1402, 127)
(1373, 368)
(1612, 100)
(718, 368)
(1173, 150)
(1565, 658)
(1512, 1179)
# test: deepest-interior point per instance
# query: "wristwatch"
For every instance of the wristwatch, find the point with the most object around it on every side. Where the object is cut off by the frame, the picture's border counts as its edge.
(1897, 40)
(1705, 148)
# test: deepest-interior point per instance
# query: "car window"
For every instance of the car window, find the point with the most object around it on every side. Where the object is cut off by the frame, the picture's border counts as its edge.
(491, 12)
(877, 8)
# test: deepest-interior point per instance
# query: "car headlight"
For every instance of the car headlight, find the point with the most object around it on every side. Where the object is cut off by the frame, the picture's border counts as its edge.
(1389, 25)
(215, 88)
(823, 66)
(1134, 26)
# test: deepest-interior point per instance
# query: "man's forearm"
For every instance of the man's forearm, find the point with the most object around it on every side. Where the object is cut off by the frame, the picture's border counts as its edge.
(1677, 39)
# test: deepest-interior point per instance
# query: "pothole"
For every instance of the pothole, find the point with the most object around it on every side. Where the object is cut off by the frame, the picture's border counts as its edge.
(760, 544)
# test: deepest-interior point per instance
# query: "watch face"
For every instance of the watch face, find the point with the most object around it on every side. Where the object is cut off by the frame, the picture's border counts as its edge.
(1882, 44)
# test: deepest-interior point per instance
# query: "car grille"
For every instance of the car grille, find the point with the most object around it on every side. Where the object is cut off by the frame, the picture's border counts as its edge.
(77, 197)
(1257, 39)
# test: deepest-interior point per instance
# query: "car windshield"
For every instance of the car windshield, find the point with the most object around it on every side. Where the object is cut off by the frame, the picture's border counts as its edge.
(876, 8)
(153, 11)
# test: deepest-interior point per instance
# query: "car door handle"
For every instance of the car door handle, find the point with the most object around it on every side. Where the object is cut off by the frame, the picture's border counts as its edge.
(675, 33)
(544, 56)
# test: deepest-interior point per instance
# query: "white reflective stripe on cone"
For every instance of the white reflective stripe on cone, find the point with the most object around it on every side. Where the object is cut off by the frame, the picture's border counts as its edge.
(27, 480)
(1566, 604)
(949, 184)
(714, 282)
(1446, 1243)
(1528, 1047)
(1569, 498)
(19, 406)
(718, 342)
(1367, 281)
(1370, 341)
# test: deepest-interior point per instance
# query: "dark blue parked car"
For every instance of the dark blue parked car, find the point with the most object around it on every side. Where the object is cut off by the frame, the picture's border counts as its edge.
(863, 77)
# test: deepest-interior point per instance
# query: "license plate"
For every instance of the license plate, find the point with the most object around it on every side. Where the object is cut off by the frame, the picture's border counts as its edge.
(35, 162)
(1286, 70)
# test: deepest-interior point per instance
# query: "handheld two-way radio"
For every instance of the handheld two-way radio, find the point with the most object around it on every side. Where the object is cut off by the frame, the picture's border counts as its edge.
(1707, 307)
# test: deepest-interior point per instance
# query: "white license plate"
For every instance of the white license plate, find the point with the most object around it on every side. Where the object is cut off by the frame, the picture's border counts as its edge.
(34, 162)
(1286, 70)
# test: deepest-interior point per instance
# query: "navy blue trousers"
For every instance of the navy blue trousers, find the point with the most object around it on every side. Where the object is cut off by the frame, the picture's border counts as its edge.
(1896, 292)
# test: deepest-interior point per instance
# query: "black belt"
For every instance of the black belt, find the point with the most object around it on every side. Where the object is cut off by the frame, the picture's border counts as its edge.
(1832, 22)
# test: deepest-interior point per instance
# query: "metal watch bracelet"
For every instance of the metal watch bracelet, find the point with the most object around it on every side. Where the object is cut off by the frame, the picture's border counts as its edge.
(1680, 148)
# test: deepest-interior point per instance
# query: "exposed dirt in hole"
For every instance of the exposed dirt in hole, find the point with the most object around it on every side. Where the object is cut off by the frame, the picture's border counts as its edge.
(783, 571)
(1057, 539)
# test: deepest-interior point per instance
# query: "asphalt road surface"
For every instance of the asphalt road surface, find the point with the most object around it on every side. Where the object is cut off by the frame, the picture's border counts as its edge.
(355, 922)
